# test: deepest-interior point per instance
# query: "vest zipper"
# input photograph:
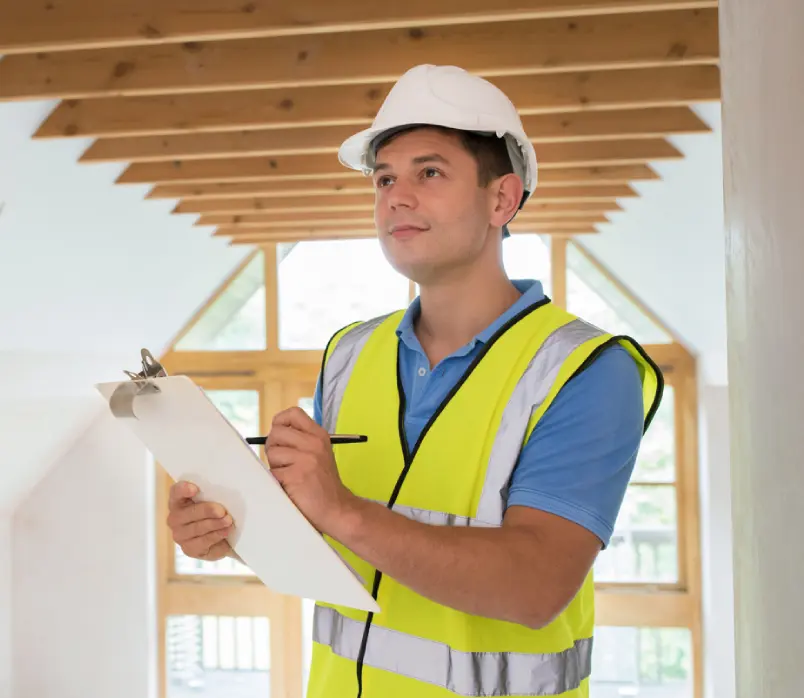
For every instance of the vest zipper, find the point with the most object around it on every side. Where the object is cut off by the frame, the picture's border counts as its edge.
(409, 455)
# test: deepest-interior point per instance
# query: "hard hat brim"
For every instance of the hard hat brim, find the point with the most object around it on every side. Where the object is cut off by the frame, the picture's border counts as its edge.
(352, 153)
(354, 150)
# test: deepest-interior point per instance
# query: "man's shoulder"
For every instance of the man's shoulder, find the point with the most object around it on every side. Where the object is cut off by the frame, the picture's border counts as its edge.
(612, 369)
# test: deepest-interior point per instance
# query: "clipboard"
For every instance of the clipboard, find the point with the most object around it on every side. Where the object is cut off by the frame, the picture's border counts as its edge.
(187, 434)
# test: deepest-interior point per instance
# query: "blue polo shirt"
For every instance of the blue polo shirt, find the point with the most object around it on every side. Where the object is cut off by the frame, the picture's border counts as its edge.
(579, 458)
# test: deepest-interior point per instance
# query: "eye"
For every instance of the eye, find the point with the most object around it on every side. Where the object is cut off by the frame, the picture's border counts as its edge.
(383, 181)
(430, 172)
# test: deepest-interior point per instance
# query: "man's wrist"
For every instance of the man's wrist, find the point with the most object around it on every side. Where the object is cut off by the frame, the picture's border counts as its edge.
(349, 521)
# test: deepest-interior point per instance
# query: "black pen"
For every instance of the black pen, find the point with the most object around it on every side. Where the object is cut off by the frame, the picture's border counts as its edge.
(333, 439)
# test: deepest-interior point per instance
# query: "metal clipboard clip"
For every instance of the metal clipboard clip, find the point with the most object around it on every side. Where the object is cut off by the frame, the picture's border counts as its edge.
(122, 400)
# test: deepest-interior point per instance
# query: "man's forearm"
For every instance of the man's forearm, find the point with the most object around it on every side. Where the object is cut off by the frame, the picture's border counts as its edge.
(481, 571)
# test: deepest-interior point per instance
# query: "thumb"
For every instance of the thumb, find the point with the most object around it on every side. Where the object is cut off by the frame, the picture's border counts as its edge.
(181, 494)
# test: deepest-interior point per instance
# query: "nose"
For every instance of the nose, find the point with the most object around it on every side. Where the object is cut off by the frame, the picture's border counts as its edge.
(401, 195)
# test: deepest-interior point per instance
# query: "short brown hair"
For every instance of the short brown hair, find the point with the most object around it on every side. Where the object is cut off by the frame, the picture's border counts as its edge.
(489, 152)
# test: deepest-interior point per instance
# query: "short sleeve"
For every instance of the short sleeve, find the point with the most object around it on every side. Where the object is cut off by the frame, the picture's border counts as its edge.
(581, 454)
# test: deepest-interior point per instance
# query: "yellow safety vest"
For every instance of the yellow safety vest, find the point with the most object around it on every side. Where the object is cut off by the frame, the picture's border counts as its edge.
(456, 475)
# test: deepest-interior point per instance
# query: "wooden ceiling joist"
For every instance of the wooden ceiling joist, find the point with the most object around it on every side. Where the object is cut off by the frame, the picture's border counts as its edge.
(681, 37)
(234, 190)
(361, 219)
(570, 177)
(27, 27)
(357, 104)
(239, 236)
(542, 128)
(551, 156)
(548, 199)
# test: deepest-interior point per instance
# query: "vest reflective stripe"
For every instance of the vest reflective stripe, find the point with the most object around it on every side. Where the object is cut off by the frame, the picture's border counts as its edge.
(464, 673)
(436, 518)
(530, 392)
(339, 367)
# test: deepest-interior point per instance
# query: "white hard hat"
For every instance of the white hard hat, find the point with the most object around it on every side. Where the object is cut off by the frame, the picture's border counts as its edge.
(453, 98)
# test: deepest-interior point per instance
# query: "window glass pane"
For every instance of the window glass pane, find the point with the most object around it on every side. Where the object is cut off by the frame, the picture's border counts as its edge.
(656, 461)
(218, 657)
(325, 285)
(643, 662)
(242, 409)
(593, 297)
(527, 256)
(644, 545)
(307, 404)
(236, 320)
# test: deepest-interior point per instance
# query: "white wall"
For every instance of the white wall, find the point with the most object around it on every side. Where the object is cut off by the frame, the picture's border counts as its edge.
(763, 101)
(83, 572)
(90, 272)
(669, 245)
(716, 543)
(5, 606)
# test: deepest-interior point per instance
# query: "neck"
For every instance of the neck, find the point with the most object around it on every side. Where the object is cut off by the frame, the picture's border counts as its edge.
(457, 309)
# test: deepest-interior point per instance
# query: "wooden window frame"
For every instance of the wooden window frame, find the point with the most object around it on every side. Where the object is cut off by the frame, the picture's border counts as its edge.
(281, 376)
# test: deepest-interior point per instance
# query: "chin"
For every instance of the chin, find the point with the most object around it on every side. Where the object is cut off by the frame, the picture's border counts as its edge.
(414, 258)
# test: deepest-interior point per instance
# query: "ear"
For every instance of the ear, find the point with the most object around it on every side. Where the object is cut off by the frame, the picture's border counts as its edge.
(506, 195)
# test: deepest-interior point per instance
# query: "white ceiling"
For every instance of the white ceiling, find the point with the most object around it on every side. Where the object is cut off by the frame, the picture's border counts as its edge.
(668, 245)
(90, 272)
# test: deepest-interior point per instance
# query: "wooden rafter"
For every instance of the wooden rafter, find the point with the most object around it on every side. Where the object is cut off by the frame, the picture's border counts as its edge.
(357, 184)
(251, 237)
(363, 219)
(543, 128)
(52, 25)
(550, 199)
(680, 37)
(357, 104)
(551, 156)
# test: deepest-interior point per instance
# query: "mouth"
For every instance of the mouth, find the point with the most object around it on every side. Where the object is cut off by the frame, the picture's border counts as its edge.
(406, 230)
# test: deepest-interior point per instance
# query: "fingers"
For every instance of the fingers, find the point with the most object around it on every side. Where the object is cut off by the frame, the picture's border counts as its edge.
(281, 456)
(217, 552)
(181, 494)
(283, 475)
(199, 529)
(202, 547)
(289, 436)
(297, 418)
(195, 512)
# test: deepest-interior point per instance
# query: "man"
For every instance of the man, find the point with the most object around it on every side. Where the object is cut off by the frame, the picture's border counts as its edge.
(502, 430)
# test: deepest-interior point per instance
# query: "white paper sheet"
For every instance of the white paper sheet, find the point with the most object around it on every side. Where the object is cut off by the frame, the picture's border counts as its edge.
(193, 441)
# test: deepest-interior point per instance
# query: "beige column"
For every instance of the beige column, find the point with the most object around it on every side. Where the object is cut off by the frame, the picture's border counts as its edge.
(762, 43)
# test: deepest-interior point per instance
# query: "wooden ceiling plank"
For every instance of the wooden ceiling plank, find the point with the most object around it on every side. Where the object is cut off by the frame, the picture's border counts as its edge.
(228, 190)
(27, 27)
(680, 37)
(570, 177)
(366, 224)
(542, 128)
(571, 198)
(365, 218)
(297, 234)
(551, 156)
(356, 105)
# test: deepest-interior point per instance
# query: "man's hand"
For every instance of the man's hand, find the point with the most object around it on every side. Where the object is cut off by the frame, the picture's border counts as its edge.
(300, 455)
(199, 528)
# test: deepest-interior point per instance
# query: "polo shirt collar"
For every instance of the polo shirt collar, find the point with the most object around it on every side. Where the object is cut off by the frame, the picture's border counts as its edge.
(532, 292)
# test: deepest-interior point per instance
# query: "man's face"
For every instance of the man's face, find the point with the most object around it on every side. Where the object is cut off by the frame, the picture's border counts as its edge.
(432, 216)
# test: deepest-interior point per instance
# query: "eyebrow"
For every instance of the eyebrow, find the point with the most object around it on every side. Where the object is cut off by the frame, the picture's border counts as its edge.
(420, 160)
